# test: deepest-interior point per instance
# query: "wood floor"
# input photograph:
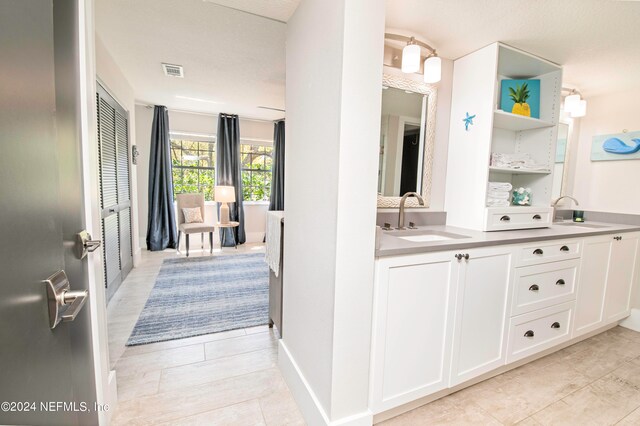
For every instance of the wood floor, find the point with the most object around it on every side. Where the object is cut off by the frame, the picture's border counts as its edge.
(227, 378)
(231, 378)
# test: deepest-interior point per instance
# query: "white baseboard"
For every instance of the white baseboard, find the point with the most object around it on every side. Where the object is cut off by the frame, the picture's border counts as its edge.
(632, 321)
(112, 397)
(309, 405)
(137, 257)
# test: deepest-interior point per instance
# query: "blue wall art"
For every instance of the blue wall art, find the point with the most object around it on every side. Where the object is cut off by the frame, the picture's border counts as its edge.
(621, 146)
(527, 91)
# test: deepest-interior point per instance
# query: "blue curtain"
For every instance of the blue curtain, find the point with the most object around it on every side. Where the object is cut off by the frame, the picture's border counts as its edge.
(161, 228)
(228, 172)
(276, 201)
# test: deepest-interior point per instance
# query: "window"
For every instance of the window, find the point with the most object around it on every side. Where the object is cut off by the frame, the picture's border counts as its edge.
(194, 165)
(256, 171)
(194, 168)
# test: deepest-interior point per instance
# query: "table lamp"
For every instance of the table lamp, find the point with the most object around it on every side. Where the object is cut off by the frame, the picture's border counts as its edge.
(224, 195)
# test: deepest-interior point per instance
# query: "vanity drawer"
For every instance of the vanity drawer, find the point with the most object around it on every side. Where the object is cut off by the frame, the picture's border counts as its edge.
(503, 220)
(541, 286)
(539, 330)
(547, 251)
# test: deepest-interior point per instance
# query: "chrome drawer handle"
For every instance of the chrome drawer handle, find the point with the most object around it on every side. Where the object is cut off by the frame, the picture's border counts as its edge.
(555, 325)
(564, 248)
(529, 333)
(538, 252)
(537, 217)
(534, 287)
(560, 282)
(505, 219)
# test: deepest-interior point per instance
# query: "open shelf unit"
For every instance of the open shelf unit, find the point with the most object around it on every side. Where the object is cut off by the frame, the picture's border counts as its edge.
(476, 91)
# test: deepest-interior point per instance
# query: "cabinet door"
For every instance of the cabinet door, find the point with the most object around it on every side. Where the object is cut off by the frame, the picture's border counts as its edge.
(413, 317)
(592, 280)
(620, 277)
(480, 331)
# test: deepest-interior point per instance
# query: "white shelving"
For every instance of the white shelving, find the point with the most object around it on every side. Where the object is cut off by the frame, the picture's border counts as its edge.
(508, 121)
(476, 91)
(518, 171)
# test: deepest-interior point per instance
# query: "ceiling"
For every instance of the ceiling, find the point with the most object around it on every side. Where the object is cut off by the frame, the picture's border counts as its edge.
(596, 41)
(233, 61)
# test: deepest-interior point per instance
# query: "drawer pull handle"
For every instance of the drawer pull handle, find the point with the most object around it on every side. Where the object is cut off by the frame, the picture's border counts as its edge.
(555, 325)
(538, 251)
(537, 217)
(534, 287)
(505, 219)
(529, 333)
(560, 282)
(564, 248)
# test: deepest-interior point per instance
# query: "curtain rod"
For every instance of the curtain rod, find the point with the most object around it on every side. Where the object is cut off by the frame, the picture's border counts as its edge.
(261, 120)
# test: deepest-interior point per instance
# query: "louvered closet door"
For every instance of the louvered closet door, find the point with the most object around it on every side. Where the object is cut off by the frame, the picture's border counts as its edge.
(115, 198)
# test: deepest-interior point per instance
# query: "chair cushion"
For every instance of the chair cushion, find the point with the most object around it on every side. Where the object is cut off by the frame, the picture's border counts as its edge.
(192, 215)
(193, 228)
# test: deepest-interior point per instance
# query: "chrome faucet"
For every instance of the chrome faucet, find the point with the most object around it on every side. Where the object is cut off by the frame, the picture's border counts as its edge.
(555, 205)
(402, 201)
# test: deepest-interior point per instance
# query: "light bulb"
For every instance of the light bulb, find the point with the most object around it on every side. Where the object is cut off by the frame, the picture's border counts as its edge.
(411, 58)
(580, 110)
(432, 69)
(571, 102)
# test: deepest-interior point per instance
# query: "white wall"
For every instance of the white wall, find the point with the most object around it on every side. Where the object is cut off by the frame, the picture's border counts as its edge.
(331, 204)
(112, 79)
(610, 186)
(255, 213)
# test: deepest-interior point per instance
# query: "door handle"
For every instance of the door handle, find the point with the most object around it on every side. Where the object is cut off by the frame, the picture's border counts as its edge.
(64, 304)
(538, 251)
(505, 219)
(560, 282)
(555, 325)
(537, 217)
(534, 287)
(564, 248)
(85, 244)
(529, 333)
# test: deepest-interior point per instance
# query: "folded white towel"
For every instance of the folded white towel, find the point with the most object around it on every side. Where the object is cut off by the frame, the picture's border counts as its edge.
(497, 203)
(500, 186)
(498, 195)
(516, 161)
(272, 252)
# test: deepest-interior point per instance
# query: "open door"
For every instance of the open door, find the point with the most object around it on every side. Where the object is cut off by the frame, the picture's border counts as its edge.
(47, 375)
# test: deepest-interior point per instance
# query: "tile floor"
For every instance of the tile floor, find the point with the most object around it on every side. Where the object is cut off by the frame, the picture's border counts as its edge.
(228, 378)
(231, 378)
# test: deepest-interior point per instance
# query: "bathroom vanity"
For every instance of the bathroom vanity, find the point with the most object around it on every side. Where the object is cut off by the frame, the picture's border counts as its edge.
(457, 305)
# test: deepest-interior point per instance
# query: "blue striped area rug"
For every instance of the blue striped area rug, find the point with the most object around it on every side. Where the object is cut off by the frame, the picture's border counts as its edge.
(203, 295)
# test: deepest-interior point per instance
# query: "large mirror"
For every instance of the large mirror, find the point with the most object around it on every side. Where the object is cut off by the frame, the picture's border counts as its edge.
(561, 161)
(406, 140)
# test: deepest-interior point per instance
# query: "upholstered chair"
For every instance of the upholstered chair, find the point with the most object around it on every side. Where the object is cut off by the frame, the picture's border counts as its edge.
(192, 201)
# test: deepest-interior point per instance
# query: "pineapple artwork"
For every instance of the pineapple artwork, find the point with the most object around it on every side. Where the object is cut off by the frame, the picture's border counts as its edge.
(519, 96)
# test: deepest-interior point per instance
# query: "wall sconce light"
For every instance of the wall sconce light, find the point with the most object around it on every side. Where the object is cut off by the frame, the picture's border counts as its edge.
(574, 104)
(411, 57)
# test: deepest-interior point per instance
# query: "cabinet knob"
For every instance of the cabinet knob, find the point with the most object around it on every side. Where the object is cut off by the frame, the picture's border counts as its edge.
(560, 282)
(458, 256)
(538, 252)
(529, 333)
(564, 248)
(534, 287)
(537, 217)
(555, 325)
(466, 256)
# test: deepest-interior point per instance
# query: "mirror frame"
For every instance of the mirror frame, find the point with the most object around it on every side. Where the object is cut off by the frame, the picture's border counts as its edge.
(431, 91)
(564, 185)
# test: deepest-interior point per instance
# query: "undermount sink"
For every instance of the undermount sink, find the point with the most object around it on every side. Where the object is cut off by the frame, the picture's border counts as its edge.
(423, 236)
(581, 225)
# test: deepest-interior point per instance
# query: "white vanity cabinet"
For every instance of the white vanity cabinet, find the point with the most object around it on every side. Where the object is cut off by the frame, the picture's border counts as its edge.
(608, 269)
(481, 311)
(414, 304)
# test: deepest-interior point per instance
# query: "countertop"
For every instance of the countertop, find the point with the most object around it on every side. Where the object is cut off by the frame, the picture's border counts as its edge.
(388, 245)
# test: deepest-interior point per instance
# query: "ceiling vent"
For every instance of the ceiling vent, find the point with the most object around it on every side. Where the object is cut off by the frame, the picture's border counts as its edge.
(173, 70)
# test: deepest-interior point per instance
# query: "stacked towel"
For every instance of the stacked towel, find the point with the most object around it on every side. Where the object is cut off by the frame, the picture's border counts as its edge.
(515, 161)
(498, 194)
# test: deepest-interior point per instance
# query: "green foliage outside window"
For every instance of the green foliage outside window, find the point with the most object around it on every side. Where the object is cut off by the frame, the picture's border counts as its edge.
(193, 169)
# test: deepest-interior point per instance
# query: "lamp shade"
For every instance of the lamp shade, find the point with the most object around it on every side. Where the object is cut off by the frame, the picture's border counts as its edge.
(432, 69)
(411, 58)
(580, 110)
(571, 102)
(225, 194)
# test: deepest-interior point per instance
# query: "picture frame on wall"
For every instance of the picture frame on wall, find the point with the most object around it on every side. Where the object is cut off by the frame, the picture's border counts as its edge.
(520, 97)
